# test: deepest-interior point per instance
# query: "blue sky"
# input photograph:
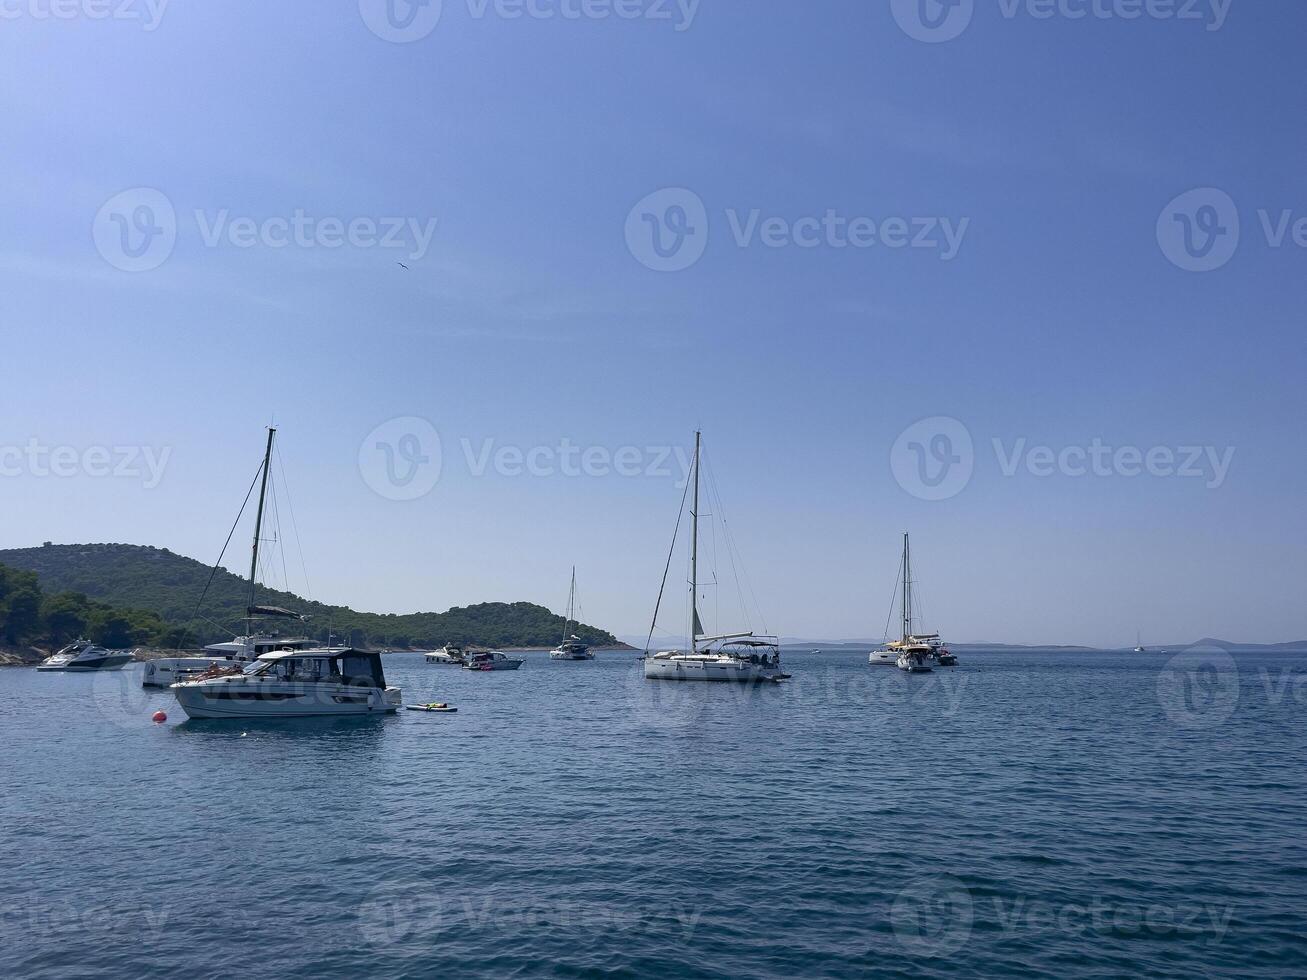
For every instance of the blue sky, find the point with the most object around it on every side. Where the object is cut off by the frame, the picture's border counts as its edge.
(530, 318)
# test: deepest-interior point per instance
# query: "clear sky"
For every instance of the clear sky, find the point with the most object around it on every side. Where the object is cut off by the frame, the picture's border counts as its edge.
(1052, 299)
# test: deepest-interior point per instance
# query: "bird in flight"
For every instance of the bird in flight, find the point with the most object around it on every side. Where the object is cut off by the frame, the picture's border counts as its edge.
(401, 265)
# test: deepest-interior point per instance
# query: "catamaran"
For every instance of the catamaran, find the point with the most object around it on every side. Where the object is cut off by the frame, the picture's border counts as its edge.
(912, 652)
(572, 647)
(297, 679)
(737, 657)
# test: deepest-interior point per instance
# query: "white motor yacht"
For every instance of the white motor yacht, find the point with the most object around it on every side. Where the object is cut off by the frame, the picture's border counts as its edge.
(492, 660)
(450, 655)
(167, 671)
(293, 684)
(83, 655)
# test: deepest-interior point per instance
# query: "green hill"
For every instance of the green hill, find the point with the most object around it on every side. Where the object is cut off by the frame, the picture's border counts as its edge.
(168, 585)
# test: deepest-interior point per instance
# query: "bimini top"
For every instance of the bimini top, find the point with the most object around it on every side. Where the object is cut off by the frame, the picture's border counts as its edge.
(321, 653)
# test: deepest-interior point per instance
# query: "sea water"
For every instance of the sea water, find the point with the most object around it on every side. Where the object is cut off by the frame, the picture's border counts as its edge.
(1026, 813)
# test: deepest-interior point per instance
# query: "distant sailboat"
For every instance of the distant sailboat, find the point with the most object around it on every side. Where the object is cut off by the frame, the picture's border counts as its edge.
(738, 657)
(912, 652)
(572, 646)
(1139, 643)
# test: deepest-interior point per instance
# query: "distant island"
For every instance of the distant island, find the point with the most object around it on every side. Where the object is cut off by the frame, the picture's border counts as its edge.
(123, 595)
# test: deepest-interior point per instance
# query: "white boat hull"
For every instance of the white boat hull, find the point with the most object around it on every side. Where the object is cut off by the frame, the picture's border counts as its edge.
(174, 670)
(882, 658)
(566, 655)
(727, 671)
(242, 698)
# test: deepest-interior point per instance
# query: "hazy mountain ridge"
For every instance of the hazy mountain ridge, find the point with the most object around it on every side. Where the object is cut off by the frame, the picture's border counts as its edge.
(170, 585)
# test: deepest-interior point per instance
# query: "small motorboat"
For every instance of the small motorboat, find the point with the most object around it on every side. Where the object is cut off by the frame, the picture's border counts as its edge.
(83, 655)
(492, 660)
(437, 707)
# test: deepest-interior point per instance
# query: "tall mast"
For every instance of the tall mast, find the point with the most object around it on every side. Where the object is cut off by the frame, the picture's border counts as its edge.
(571, 604)
(907, 588)
(258, 530)
(694, 555)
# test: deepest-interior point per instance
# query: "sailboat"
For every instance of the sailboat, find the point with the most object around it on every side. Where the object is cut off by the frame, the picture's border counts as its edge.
(1139, 643)
(738, 657)
(912, 652)
(572, 646)
(296, 682)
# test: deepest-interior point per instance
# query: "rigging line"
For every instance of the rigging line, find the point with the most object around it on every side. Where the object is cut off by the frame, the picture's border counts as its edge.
(737, 562)
(290, 506)
(667, 568)
(893, 595)
(214, 570)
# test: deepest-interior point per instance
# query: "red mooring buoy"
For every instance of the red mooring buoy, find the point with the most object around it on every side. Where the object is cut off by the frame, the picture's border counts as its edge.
(159, 717)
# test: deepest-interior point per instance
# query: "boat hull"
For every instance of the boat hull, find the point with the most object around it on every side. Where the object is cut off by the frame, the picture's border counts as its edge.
(882, 658)
(710, 671)
(174, 670)
(238, 698)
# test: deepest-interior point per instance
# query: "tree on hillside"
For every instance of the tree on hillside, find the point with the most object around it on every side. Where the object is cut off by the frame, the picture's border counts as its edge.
(65, 616)
(20, 605)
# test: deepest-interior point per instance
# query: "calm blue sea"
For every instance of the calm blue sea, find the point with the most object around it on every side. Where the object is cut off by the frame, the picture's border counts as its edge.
(1028, 813)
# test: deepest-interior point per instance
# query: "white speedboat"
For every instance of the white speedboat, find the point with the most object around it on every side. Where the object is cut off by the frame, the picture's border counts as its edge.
(330, 681)
(738, 657)
(83, 655)
(450, 655)
(492, 660)
(572, 647)
(167, 671)
(886, 656)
